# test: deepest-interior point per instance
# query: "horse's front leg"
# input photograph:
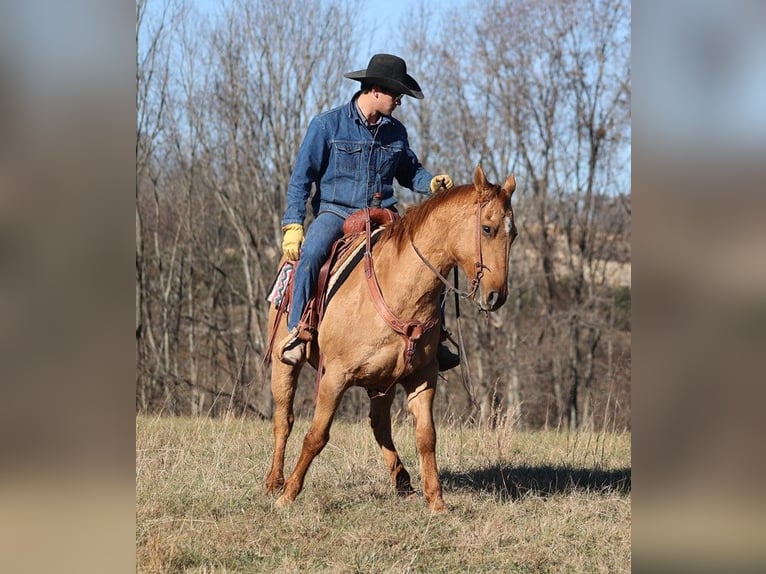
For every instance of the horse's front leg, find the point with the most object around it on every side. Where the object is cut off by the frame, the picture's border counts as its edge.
(420, 399)
(284, 380)
(380, 421)
(331, 389)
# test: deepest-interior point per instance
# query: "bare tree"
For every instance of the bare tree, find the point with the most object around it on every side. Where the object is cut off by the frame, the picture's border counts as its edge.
(223, 104)
(540, 89)
(157, 261)
(559, 76)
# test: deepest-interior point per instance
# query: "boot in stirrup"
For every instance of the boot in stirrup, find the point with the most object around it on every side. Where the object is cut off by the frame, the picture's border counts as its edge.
(292, 349)
(447, 359)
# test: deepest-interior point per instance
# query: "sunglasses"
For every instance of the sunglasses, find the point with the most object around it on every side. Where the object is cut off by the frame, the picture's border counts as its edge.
(396, 97)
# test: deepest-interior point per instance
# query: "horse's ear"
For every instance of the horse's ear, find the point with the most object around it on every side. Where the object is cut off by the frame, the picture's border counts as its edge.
(479, 179)
(510, 185)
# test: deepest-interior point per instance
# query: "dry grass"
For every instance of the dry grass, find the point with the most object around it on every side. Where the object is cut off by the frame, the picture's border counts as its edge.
(519, 502)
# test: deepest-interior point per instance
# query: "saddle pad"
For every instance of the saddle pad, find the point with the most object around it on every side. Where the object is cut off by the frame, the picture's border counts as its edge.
(348, 257)
(281, 283)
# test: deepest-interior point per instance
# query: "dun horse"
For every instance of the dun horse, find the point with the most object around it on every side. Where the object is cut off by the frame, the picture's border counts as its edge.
(375, 342)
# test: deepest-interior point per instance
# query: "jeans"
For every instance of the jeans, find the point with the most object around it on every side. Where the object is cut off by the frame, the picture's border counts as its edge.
(322, 233)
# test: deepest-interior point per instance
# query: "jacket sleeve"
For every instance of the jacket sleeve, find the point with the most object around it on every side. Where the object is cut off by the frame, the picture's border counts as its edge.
(410, 173)
(308, 169)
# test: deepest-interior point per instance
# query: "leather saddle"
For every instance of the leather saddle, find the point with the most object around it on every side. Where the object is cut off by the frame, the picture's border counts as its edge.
(345, 255)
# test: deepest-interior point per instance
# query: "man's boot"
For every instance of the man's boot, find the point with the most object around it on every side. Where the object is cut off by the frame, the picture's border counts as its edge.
(447, 359)
(292, 349)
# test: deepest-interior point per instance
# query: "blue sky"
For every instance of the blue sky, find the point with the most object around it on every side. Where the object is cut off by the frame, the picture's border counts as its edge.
(382, 20)
(389, 14)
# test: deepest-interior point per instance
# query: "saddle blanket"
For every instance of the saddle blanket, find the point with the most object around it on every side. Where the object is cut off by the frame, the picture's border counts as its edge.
(349, 254)
(281, 284)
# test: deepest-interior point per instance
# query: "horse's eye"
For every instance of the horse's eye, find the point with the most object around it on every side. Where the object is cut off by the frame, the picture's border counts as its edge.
(486, 230)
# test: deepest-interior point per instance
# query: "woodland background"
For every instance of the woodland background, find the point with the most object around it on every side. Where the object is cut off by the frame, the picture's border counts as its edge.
(540, 89)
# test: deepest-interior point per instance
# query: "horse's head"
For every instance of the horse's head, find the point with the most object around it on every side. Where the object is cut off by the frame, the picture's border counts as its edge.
(486, 241)
(469, 225)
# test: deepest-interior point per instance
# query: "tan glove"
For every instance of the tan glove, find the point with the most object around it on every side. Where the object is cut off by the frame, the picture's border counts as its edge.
(440, 181)
(292, 241)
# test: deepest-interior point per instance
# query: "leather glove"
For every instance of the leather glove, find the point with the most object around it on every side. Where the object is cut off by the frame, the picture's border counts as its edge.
(292, 241)
(439, 181)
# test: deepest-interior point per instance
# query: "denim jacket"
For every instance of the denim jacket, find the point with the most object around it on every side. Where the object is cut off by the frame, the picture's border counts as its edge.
(348, 164)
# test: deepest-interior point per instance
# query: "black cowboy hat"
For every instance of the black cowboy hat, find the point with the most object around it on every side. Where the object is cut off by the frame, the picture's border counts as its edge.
(388, 72)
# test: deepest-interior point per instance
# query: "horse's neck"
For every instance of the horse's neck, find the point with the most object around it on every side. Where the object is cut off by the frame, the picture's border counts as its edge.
(406, 281)
(433, 242)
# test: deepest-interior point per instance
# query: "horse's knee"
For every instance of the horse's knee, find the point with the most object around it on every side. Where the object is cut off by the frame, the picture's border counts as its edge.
(315, 442)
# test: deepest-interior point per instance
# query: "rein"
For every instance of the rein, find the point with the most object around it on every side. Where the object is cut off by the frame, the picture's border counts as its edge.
(479, 268)
(478, 265)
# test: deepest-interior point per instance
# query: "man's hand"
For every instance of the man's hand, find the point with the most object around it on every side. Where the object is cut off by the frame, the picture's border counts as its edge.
(440, 181)
(292, 241)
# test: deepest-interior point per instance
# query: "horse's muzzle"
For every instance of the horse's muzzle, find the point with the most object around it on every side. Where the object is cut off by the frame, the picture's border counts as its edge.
(494, 300)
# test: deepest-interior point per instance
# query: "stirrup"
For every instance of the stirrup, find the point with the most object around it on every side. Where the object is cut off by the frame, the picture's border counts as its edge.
(292, 349)
(447, 359)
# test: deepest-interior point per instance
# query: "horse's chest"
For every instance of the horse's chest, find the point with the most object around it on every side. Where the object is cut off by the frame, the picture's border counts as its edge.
(388, 362)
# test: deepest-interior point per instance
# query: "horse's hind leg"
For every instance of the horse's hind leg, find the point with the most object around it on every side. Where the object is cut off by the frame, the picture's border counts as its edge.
(420, 399)
(284, 380)
(331, 390)
(380, 421)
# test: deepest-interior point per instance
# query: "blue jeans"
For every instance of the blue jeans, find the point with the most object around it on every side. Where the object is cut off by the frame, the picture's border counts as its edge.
(322, 233)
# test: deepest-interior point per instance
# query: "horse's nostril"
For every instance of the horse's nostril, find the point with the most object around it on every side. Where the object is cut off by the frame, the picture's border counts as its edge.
(495, 299)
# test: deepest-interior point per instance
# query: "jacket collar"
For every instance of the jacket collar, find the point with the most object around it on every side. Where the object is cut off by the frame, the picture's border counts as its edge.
(355, 115)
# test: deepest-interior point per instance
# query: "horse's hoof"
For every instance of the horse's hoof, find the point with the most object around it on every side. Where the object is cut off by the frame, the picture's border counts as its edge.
(412, 498)
(283, 502)
(405, 492)
(274, 486)
(438, 507)
(402, 484)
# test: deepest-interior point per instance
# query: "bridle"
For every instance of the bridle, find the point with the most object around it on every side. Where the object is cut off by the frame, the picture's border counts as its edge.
(478, 265)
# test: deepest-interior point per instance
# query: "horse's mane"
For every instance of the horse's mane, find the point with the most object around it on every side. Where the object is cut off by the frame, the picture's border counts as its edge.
(399, 232)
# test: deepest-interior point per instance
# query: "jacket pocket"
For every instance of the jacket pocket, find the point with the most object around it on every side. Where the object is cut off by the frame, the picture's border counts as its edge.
(348, 160)
(389, 156)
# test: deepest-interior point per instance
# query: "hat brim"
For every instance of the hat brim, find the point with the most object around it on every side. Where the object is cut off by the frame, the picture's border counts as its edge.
(410, 88)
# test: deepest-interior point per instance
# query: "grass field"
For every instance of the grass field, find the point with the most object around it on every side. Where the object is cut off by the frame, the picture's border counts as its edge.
(519, 502)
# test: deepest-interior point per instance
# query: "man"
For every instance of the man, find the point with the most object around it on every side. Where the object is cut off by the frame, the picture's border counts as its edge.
(349, 154)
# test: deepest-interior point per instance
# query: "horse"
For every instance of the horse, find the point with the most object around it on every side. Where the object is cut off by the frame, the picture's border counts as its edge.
(379, 341)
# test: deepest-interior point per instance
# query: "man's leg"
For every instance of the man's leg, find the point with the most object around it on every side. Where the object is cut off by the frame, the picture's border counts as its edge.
(321, 234)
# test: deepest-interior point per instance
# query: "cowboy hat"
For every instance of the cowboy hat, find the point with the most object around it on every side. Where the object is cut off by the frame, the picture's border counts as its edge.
(388, 72)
